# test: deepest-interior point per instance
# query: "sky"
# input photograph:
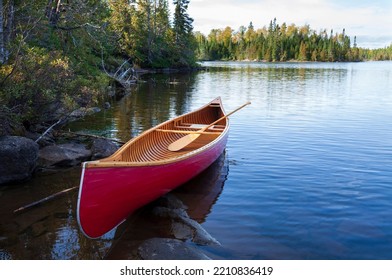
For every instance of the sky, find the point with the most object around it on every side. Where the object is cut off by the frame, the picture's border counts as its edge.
(369, 20)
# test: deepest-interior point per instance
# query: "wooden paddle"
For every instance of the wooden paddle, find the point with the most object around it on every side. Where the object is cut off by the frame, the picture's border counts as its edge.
(187, 139)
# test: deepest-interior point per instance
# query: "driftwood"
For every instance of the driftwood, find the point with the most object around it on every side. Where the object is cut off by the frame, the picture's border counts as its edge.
(125, 74)
(93, 136)
(48, 198)
(49, 129)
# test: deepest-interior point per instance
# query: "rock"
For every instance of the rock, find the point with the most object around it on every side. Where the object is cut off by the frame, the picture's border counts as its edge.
(64, 155)
(92, 110)
(172, 202)
(47, 140)
(78, 113)
(18, 158)
(106, 106)
(169, 249)
(38, 228)
(102, 148)
(182, 231)
(165, 212)
(200, 235)
(82, 112)
(183, 224)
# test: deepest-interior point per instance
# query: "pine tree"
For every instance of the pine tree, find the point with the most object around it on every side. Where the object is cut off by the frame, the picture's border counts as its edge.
(183, 37)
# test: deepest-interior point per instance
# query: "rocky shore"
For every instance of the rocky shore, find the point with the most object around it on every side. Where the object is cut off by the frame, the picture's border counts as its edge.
(22, 157)
(41, 149)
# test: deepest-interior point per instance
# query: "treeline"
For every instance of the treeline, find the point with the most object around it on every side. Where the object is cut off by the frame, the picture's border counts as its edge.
(146, 35)
(376, 54)
(282, 43)
(52, 52)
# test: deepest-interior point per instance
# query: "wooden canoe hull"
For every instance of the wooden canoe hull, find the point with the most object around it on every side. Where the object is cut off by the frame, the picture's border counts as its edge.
(102, 208)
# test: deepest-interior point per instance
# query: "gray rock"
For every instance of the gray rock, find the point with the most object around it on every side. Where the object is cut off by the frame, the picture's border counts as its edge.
(64, 155)
(177, 213)
(102, 148)
(47, 140)
(172, 202)
(169, 249)
(18, 158)
(82, 112)
(200, 235)
(106, 105)
(182, 231)
(93, 110)
(189, 229)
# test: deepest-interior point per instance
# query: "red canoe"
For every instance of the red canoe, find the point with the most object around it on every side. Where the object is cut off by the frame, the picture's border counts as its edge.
(145, 168)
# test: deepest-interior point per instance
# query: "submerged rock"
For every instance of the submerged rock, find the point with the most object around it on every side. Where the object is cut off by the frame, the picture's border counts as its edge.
(18, 158)
(172, 202)
(64, 155)
(169, 249)
(183, 227)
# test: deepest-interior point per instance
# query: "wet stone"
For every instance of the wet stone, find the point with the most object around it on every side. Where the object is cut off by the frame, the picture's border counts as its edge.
(102, 148)
(64, 155)
(172, 202)
(18, 158)
(179, 217)
(181, 231)
(38, 228)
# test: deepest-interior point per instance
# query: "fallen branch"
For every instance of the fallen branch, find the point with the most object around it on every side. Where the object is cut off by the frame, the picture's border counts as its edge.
(93, 136)
(48, 198)
(49, 129)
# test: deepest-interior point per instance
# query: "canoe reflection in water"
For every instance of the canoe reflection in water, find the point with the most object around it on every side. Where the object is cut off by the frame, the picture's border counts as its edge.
(195, 198)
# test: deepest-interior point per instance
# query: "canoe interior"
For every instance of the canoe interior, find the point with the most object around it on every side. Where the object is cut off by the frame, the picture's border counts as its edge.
(152, 146)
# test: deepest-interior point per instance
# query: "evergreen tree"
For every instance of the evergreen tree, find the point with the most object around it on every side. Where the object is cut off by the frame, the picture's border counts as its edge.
(183, 37)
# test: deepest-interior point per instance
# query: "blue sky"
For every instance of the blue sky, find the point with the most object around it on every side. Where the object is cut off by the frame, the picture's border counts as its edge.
(370, 21)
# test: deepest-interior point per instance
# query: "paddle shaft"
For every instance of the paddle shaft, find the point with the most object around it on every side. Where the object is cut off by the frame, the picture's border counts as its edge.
(224, 117)
(186, 140)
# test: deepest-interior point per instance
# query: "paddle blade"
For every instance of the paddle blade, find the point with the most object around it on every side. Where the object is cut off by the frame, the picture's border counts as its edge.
(182, 142)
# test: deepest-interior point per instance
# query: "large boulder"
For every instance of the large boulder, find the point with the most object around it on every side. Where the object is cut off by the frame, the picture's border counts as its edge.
(18, 158)
(63, 155)
(102, 148)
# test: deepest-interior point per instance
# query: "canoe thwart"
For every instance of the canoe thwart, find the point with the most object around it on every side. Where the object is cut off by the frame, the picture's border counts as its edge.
(199, 126)
(187, 132)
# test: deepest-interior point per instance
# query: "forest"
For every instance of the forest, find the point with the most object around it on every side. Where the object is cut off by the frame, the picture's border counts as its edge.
(53, 52)
(55, 55)
(283, 43)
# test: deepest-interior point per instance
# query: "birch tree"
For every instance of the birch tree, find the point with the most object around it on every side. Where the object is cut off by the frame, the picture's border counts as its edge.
(2, 47)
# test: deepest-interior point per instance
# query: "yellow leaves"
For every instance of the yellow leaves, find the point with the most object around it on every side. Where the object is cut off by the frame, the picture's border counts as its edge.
(61, 63)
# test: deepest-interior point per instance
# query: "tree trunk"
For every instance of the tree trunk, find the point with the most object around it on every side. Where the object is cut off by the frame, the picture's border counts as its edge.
(2, 44)
(7, 11)
(10, 23)
(52, 11)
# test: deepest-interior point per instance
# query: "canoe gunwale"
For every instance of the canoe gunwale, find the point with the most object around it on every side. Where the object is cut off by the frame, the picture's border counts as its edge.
(107, 163)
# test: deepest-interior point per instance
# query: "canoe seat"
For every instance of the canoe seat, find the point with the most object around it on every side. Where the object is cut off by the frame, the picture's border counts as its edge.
(197, 125)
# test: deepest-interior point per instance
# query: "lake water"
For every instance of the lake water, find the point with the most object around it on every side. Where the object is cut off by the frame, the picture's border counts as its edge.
(307, 172)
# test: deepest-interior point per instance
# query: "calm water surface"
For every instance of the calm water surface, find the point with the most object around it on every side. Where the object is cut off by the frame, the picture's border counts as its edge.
(307, 172)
